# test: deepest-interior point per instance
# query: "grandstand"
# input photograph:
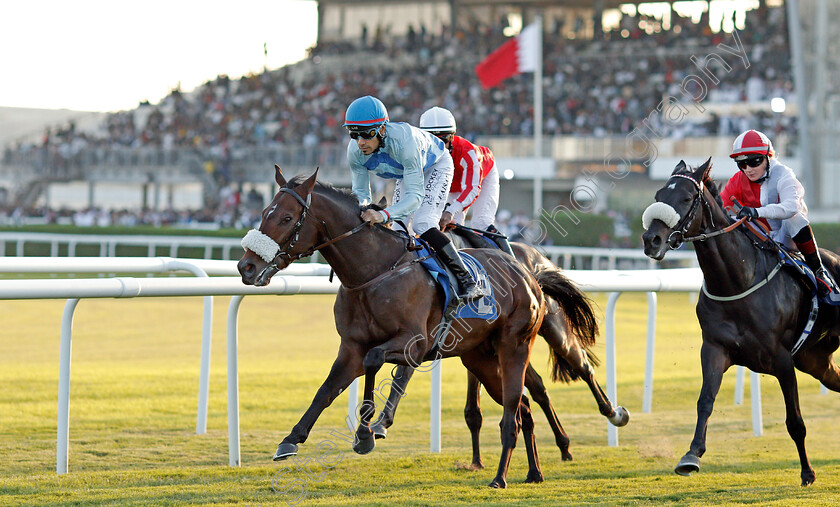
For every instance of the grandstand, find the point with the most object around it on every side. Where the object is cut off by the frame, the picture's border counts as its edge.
(629, 89)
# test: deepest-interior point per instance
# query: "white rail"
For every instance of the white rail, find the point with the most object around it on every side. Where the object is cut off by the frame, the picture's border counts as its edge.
(126, 287)
(150, 265)
(108, 243)
(565, 257)
(613, 282)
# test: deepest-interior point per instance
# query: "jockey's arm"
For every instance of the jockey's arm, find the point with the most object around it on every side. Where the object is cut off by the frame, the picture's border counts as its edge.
(360, 183)
(413, 189)
(791, 200)
(359, 175)
(470, 165)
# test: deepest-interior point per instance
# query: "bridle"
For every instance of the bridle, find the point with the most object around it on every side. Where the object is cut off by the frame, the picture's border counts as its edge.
(678, 235)
(286, 248)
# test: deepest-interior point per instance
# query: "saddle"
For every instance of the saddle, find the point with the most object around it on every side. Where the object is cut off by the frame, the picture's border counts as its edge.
(794, 262)
(484, 308)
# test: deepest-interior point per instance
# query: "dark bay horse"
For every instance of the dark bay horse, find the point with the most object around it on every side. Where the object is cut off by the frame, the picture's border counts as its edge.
(388, 308)
(573, 312)
(751, 313)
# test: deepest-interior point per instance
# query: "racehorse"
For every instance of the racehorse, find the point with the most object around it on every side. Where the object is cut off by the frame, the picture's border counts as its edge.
(388, 307)
(751, 312)
(573, 312)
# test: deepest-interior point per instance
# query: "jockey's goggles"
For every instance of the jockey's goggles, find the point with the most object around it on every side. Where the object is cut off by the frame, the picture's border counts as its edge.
(364, 134)
(753, 161)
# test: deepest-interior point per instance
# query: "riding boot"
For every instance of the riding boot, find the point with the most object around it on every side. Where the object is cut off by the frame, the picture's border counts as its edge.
(825, 283)
(502, 241)
(469, 290)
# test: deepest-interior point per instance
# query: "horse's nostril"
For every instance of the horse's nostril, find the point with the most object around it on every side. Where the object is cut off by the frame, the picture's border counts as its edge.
(246, 268)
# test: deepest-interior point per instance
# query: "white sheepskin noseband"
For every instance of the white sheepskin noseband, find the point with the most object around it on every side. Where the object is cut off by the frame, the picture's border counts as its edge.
(663, 212)
(261, 245)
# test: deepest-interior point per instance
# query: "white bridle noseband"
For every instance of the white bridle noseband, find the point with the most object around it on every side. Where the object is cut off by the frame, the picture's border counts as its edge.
(261, 245)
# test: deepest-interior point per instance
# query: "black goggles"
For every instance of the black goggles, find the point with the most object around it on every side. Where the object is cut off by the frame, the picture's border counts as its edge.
(752, 162)
(364, 134)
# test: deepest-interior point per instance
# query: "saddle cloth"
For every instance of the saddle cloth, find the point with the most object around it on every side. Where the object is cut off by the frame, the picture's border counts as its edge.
(792, 260)
(484, 308)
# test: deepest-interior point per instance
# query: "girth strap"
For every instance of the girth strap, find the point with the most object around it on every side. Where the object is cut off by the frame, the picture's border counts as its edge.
(747, 292)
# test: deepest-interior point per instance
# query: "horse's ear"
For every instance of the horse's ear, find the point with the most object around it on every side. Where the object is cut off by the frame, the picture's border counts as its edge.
(702, 172)
(278, 176)
(382, 202)
(306, 187)
(680, 167)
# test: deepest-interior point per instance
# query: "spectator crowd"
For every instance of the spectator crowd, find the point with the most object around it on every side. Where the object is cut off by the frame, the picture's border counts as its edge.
(603, 86)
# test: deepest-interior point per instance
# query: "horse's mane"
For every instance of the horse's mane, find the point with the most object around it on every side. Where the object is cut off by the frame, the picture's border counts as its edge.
(709, 183)
(343, 195)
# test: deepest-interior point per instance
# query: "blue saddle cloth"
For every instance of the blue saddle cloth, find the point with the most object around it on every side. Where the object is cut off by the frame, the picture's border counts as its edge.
(795, 262)
(484, 308)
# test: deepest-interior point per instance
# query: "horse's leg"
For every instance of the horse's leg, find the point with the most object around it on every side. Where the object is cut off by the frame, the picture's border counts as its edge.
(346, 367)
(473, 418)
(485, 370)
(786, 375)
(553, 330)
(536, 387)
(512, 368)
(714, 362)
(534, 472)
(365, 442)
(386, 417)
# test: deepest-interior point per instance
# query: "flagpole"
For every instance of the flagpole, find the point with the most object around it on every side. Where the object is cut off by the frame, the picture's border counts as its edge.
(538, 114)
(538, 91)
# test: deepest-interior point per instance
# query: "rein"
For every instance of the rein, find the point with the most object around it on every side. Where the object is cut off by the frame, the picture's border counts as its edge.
(704, 236)
(707, 235)
(391, 271)
(257, 241)
(678, 237)
(256, 235)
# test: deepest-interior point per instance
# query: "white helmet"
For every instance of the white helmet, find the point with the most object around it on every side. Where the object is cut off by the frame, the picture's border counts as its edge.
(438, 120)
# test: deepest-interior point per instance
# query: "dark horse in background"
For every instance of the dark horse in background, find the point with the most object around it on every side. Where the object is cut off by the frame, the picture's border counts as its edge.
(755, 329)
(388, 307)
(572, 359)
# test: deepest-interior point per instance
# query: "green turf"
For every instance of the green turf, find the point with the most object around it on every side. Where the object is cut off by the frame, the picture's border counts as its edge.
(134, 396)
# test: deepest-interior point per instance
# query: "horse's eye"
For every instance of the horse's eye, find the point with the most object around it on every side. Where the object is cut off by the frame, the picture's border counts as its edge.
(286, 219)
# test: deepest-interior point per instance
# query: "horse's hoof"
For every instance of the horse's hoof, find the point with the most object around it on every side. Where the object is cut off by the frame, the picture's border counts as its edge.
(535, 477)
(379, 430)
(567, 456)
(364, 444)
(808, 477)
(689, 463)
(476, 465)
(620, 417)
(284, 450)
(498, 483)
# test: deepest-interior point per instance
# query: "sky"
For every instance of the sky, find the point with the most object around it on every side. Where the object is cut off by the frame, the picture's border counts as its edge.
(95, 55)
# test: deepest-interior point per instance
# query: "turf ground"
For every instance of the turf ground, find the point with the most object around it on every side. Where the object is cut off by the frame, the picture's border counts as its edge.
(134, 389)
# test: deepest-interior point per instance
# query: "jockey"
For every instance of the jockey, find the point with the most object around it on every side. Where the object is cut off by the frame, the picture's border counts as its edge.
(422, 169)
(475, 182)
(768, 190)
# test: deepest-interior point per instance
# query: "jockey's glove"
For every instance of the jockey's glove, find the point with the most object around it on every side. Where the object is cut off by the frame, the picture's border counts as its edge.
(747, 212)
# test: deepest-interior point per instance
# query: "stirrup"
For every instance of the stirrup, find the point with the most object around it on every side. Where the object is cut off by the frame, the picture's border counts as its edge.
(476, 293)
(825, 283)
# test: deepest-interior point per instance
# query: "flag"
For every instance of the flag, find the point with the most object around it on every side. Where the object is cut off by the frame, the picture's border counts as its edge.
(513, 57)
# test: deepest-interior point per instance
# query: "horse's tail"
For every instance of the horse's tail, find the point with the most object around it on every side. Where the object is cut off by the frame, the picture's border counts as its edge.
(577, 310)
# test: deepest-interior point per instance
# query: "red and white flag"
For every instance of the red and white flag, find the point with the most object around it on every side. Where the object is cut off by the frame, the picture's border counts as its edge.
(513, 57)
